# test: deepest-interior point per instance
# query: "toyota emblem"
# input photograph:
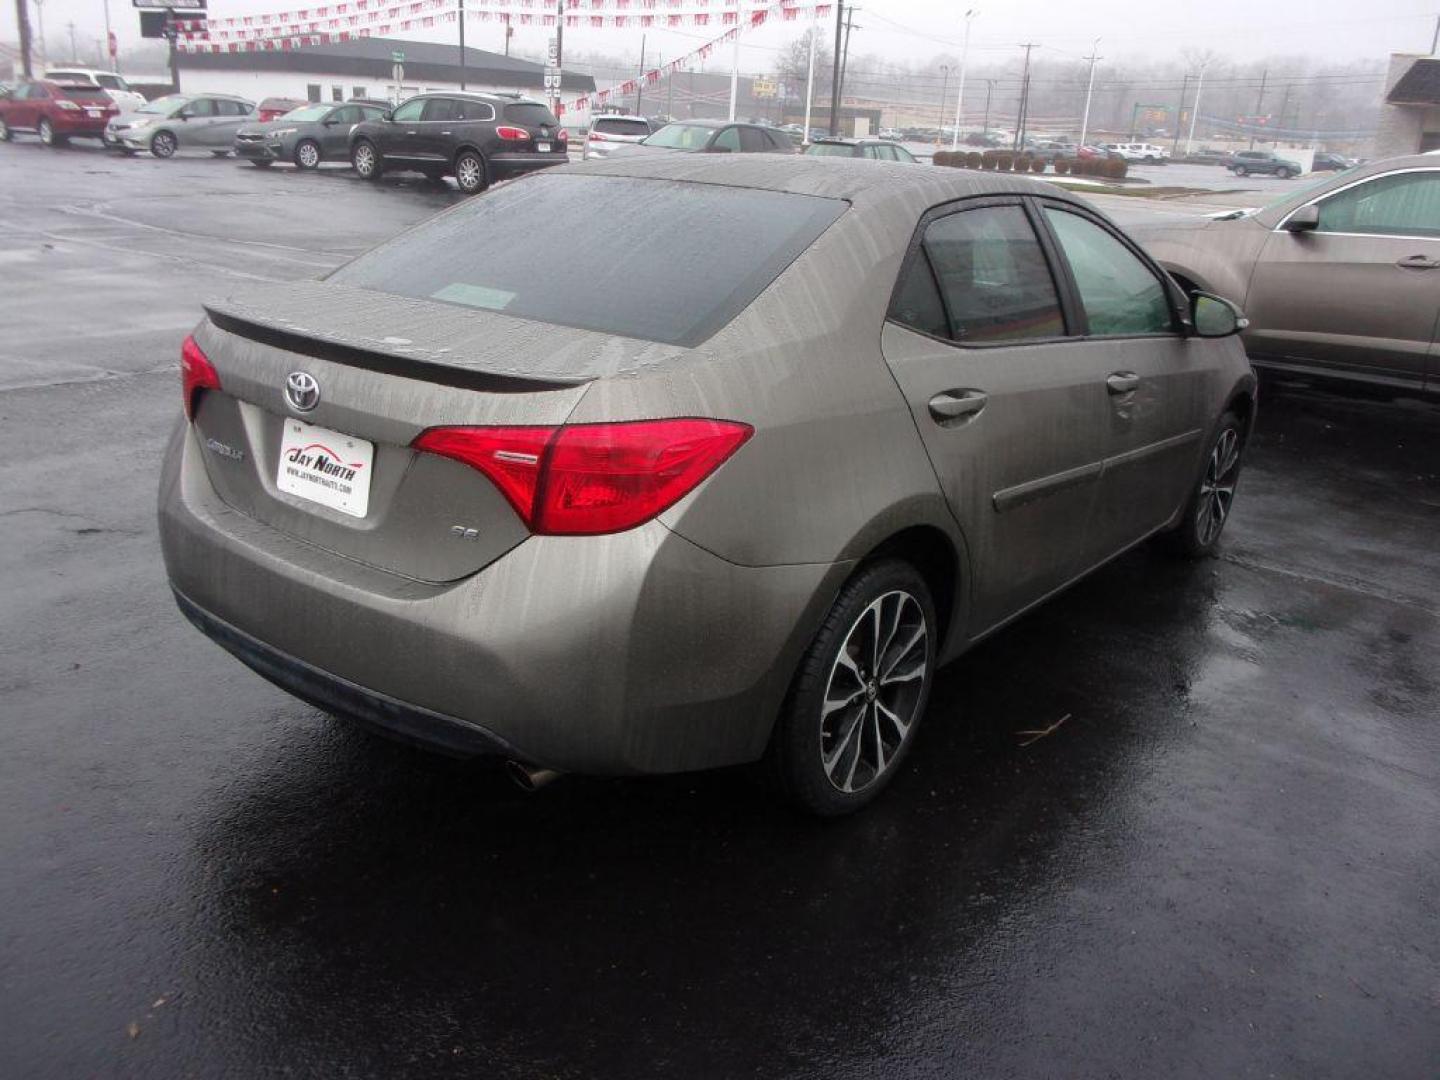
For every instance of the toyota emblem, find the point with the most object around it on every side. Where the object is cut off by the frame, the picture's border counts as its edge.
(302, 391)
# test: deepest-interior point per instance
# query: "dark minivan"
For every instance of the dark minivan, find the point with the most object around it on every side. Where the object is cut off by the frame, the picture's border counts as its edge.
(476, 138)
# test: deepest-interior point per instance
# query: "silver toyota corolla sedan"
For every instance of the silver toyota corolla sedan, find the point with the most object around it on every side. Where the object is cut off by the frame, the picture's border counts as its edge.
(720, 474)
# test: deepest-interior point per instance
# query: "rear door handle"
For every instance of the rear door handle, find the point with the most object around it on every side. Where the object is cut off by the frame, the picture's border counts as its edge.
(1418, 262)
(955, 404)
(1122, 382)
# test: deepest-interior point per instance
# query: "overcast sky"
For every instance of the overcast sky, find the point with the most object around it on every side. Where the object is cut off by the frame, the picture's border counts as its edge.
(1333, 30)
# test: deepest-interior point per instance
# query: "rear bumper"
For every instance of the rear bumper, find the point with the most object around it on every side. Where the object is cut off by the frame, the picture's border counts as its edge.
(80, 126)
(343, 698)
(632, 653)
(517, 163)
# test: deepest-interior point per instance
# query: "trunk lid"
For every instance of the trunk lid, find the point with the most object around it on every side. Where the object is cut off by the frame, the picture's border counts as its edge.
(386, 368)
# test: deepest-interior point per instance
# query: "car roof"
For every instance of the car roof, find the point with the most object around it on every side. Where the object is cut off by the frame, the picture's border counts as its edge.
(860, 182)
(478, 95)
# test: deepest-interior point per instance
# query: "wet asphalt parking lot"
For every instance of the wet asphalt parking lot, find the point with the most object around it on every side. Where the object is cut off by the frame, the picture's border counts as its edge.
(1225, 862)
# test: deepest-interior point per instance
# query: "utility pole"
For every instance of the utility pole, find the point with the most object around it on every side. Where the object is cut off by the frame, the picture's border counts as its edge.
(989, 90)
(461, 18)
(1435, 41)
(845, 52)
(1090, 90)
(1180, 118)
(944, 93)
(1024, 99)
(506, 17)
(835, 71)
(1284, 108)
(22, 22)
(1259, 101)
(960, 97)
(1195, 110)
(640, 82)
(74, 52)
(669, 91)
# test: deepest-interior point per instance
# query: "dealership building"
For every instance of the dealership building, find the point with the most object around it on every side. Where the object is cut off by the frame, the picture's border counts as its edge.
(1410, 110)
(365, 68)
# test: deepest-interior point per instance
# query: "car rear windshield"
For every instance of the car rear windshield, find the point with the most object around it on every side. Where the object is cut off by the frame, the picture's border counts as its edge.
(83, 90)
(614, 125)
(530, 113)
(654, 259)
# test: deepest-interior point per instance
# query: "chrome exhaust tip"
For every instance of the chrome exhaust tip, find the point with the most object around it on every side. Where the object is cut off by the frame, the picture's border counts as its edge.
(529, 778)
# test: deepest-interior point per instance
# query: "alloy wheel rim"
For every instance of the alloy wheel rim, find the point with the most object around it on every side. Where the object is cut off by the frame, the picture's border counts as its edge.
(873, 695)
(164, 144)
(309, 156)
(364, 160)
(47, 133)
(1217, 488)
(4, 130)
(468, 173)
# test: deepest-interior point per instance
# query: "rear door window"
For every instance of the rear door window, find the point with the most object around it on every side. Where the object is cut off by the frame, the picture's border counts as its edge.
(666, 261)
(993, 276)
(437, 109)
(201, 107)
(753, 141)
(728, 139)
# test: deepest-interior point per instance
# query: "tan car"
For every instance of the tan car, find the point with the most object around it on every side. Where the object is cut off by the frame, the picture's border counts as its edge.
(1339, 279)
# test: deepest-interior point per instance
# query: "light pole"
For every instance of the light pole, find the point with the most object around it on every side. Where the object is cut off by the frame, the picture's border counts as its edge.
(43, 50)
(1089, 91)
(960, 97)
(989, 92)
(1195, 110)
(944, 92)
(114, 60)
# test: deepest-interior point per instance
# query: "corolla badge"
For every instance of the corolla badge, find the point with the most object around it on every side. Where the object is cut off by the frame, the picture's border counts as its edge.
(302, 391)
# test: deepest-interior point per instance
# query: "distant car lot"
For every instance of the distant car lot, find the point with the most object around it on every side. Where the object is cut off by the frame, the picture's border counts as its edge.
(204, 876)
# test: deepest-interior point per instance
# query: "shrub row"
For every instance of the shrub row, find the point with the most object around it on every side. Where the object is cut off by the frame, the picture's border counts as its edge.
(1007, 161)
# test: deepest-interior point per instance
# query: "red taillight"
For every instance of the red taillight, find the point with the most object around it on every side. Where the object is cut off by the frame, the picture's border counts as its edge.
(512, 134)
(585, 479)
(196, 374)
(562, 136)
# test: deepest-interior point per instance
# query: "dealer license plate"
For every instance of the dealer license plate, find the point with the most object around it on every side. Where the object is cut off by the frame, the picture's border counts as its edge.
(543, 147)
(95, 112)
(326, 467)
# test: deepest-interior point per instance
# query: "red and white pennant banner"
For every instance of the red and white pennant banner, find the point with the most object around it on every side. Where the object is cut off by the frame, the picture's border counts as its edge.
(540, 12)
(753, 19)
(376, 18)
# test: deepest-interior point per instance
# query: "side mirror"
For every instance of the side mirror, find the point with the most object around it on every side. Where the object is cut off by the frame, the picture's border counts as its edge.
(1215, 317)
(330, 123)
(1306, 219)
(387, 116)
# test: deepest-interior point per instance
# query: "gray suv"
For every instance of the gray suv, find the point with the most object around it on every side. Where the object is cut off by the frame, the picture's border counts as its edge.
(306, 136)
(729, 490)
(180, 122)
(1263, 163)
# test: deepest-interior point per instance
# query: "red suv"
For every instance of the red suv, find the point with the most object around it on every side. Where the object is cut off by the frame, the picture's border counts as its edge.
(55, 111)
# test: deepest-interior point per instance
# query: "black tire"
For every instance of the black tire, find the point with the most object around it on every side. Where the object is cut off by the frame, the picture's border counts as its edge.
(164, 145)
(260, 163)
(1240, 170)
(806, 734)
(5, 133)
(366, 161)
(46, 131)
(1198, 532)
(307, 154)
(471, 176)
(219, 153)
(1284, 174)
